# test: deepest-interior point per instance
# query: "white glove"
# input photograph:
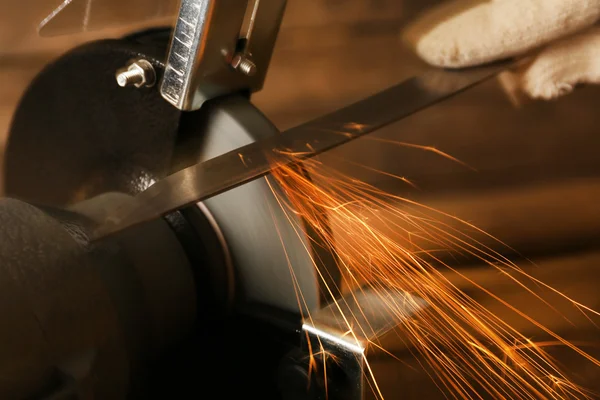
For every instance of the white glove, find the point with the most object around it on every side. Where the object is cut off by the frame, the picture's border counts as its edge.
(559, 34)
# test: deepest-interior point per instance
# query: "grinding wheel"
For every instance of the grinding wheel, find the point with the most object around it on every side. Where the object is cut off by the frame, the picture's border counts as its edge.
(77, 134)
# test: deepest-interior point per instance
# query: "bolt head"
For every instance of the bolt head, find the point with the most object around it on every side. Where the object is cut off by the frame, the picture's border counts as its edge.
(140, 74)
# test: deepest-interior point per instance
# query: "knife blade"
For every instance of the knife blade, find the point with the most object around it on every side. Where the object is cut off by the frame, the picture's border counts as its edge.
(220, 174)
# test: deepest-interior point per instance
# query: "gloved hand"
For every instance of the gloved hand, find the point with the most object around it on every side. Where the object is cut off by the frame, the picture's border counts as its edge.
(559, 36)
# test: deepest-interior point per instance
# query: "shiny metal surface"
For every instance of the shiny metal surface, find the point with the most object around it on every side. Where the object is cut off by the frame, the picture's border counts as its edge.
(342, 336)
(76, 16)
(244, 64)
(253, 225)
(252, 161)
(209, 35)
(138, 73)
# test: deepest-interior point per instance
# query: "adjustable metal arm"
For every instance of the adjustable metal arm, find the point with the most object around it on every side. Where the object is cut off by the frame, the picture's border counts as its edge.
(220, 47)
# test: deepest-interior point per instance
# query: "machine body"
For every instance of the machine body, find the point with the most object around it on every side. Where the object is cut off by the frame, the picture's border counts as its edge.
(120, 141)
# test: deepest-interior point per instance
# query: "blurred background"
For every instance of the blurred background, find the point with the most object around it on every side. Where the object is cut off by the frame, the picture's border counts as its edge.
(534, 177)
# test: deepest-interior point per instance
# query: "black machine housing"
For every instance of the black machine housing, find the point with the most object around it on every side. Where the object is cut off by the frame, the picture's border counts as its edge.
(150, 313)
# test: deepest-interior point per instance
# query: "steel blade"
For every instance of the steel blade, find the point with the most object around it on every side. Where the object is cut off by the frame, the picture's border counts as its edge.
(202, 181)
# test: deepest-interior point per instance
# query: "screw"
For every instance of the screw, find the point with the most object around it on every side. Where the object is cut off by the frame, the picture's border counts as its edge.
(138, 73)
(243, 64)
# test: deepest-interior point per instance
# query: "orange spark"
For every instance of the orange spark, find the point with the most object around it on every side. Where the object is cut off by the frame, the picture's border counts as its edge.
(383, 246)
(242, 159)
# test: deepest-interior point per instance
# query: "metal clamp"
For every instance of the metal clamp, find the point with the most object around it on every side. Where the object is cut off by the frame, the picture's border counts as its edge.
(220, 47)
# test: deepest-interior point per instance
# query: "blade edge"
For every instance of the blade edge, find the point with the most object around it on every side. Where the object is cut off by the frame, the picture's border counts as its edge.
(220, 174)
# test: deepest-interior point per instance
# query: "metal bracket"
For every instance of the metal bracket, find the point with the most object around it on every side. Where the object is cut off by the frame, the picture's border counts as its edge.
(220, 47)
(337, 339)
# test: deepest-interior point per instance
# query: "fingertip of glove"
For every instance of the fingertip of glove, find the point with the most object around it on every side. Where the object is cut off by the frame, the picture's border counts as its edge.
(558, 69)
(434, 38)
(437, 51)
(441, 54)
(426, 47)
(546, 89)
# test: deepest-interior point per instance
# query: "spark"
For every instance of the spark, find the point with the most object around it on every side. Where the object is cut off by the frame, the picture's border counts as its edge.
(242, 159)
(356, 127)
(472, 352)
(430, 149)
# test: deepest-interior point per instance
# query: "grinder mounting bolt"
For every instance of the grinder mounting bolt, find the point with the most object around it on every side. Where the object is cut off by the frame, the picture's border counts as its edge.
(243, 64)
(138, 73)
